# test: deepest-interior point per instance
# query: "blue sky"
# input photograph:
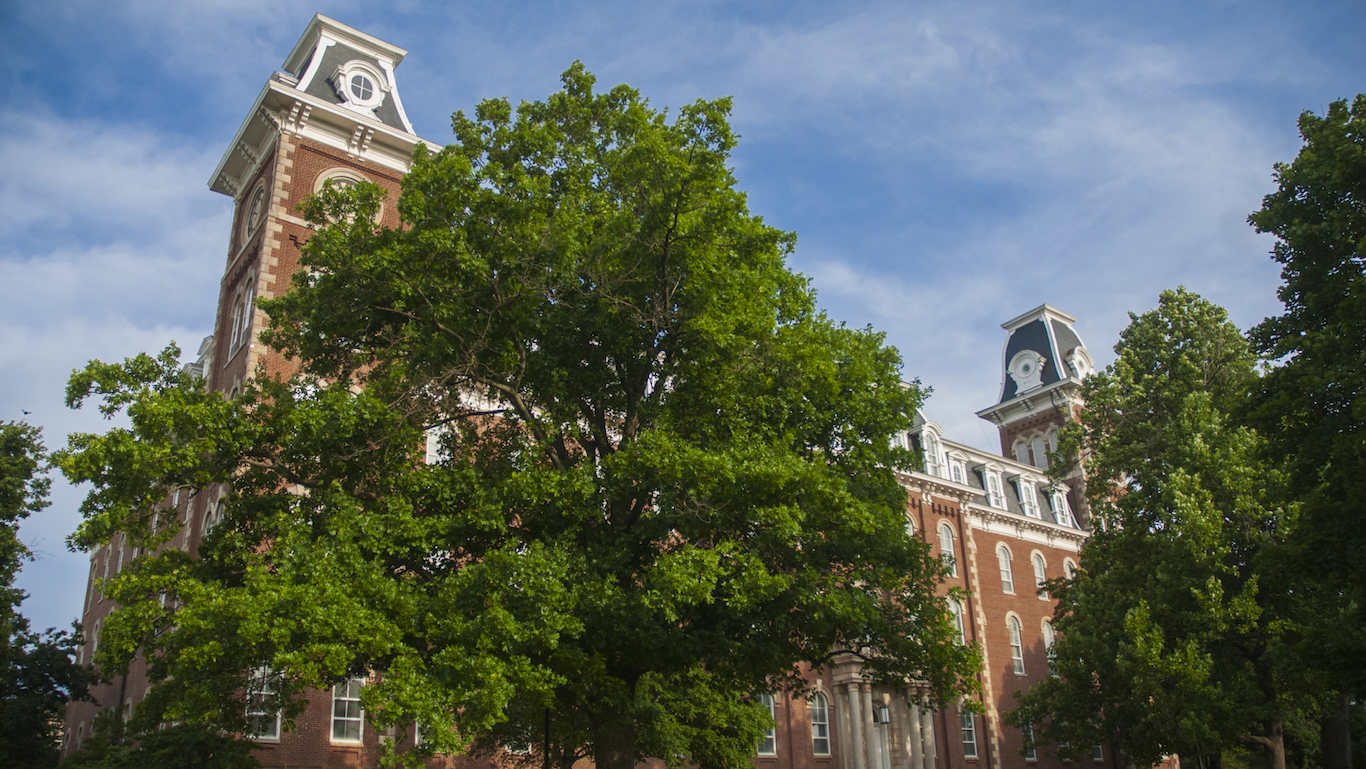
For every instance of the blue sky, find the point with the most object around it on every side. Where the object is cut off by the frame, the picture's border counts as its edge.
(946, 165)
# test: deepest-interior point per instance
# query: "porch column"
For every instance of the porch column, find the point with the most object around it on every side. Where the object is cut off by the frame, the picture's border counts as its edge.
(856, 727)
(927, 734)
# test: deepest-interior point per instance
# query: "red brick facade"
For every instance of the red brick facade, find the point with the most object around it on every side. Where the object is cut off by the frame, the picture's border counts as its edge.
(288, 158)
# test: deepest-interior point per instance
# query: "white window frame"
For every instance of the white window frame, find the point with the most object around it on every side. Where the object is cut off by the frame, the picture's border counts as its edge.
(959, 625)
(1069, 568)
(968, 725)
(1040, 565)
(1098, 753)
(346, 717)
(929, 442)
(1038, 449)
(1016, 644)
(260, 688)
(947, 552)
(1029, 499)
(1027, 734)
(769, 747)
(995, 496)
(341, 84)
(1050, 637)
(820, 725)
(1003, 560)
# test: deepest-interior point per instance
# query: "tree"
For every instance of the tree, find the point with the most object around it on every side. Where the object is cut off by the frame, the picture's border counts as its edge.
(1312, 404)
(1178, 633)
(664, 479)
(39, 674)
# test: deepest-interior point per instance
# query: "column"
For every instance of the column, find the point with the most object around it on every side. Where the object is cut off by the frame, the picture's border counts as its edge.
(903, 733)
(846, 737)
(856, 727)
(927, 736)
(917, 740)
(870, 740)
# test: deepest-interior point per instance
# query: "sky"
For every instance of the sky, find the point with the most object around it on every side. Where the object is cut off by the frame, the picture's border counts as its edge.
(946, 165)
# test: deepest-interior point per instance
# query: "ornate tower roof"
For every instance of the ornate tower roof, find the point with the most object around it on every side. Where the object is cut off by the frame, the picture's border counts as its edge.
(337, 89)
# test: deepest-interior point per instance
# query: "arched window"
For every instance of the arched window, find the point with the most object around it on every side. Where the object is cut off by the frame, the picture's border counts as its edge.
(946, 548)
(1040, 575)
(1069, 569)
(1048, 640)
(820, 725)
(910, 526)
(932, 454)
(1040, 455)
(769, 747)
(1022, 452)
(1007, 577)
(994, 496)
(1016, 645)
(956, 609)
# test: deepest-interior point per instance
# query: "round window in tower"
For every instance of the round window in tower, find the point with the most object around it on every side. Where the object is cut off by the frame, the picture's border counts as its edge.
(361, 88)
(256, 210)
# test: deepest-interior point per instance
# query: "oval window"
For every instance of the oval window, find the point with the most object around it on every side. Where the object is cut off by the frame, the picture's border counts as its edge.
(362, 88)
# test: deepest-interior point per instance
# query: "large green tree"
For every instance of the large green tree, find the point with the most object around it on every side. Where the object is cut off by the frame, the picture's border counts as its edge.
(38, 670)
(663, 479)
(1312, 403)
(1178, 634)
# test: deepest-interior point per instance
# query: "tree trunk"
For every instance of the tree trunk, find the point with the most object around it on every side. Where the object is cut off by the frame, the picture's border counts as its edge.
(1335, 735)
(1274, 745)
(614, 744)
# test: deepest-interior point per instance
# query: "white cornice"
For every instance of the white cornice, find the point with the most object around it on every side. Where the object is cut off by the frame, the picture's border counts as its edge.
(1025, 528)
(1051, 396)
(281, 107)
(353, 37)
(1042, 311)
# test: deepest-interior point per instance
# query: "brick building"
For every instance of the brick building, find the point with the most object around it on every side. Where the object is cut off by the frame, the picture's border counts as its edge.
(334, 114)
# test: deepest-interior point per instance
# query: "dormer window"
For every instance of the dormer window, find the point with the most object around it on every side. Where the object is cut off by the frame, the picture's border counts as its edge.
(360, 85)
(1062, 512)
(1026, 368)
(1029, 503)
(995, 497)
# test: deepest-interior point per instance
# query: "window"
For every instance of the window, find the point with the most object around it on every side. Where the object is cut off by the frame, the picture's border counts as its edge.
(359, 84)
(1062, 512)
(240, 325)
(1069, 569)
(1022, 453)
(820, 725)
(910, 527)
(956, 609)
(994, 497)
(769, 747)
(932, 465)
(946, 548)
(1007, 577)
(1029, 500)
(1097, 753)
(1027, 732)
(1040, 575)
(263, 721)
(957, 471)
(969, 734)
(1048, 639)
(256, 211)
(1016, 645)
(1040, 453)
(346, 711)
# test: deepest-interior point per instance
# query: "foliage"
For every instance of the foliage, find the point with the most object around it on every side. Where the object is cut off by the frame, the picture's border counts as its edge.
(664, 480)
(38, 672)
(1312, 404)
(180, 746)
(1173, 637)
